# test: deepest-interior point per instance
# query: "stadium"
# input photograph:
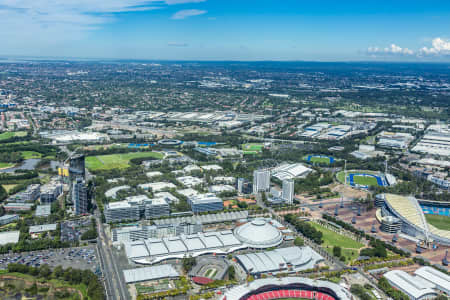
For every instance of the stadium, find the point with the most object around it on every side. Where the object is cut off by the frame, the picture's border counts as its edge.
(287, 288)
(411, 215)
(365, 179)
(320, 159)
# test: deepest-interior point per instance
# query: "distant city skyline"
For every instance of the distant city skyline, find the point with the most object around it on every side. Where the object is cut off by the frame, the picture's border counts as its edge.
(227, 30)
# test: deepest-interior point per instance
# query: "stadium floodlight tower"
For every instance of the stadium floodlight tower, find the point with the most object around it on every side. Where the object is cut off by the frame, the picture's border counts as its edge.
(374, 229)
(385, 167)
(345, 172)
(395, 238)
(445, 259)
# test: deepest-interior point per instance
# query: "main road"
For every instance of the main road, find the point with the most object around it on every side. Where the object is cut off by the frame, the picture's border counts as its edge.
(115, 286)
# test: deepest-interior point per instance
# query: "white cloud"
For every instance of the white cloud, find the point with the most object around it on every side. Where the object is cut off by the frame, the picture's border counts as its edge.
(46, 23)
(393, 49)
(439, 47)
(186, 13)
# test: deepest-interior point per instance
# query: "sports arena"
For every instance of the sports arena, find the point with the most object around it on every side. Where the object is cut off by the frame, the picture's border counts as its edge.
(321, 159)
(365, 179)
(414, 223)
(288, 288)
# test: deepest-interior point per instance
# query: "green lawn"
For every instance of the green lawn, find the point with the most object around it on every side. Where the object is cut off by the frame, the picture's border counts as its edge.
(4, 165)
(350, 247)
(30, 154)
(9, 134)
(252, 148)
(440, 222)
(116, 161)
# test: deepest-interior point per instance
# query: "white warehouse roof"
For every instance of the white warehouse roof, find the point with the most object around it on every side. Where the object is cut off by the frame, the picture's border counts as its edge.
(150, 273)
(413, 286)
(290, 171)
(440, 279)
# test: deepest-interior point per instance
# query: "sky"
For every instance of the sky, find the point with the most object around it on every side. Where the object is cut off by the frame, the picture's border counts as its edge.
(317, 30)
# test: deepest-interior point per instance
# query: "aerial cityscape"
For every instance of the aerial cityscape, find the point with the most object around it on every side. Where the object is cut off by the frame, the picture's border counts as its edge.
(244, 173)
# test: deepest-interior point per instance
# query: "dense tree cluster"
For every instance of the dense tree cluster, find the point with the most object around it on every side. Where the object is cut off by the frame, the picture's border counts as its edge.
(72, 276)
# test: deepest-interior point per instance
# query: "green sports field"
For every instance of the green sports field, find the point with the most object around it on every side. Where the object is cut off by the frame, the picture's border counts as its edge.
(116, 161)
(360, 180)
(317, 159)
(440, 222)
(252, 148)
(9, 134)
(365, 180)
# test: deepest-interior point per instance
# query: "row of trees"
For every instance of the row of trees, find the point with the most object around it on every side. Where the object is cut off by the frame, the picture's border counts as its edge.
(305, 228)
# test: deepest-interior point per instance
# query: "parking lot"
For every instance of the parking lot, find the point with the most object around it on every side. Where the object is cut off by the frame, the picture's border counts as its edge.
(84, 258)
(72, 230)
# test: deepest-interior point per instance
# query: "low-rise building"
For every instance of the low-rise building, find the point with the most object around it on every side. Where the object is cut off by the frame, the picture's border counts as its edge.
(190, 181)
(6, 219)
(157, 186)
(205, 202)
(15, 206)
(43, 210)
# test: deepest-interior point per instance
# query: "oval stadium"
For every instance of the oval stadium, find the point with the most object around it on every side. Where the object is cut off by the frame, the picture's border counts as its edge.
(413, 221)
(287, 288)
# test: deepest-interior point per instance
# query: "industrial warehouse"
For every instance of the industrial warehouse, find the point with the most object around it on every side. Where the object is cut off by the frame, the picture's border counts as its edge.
(291, 259)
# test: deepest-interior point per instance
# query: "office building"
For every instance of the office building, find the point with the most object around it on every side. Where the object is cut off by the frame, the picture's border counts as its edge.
(136, 233)
(261, 181)
(121, 211)
(77, 167)
(156, 207)
(79, 196)
(205, 202)
(288, 191)
(50, 192)
(31, 194)
(240, 185)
